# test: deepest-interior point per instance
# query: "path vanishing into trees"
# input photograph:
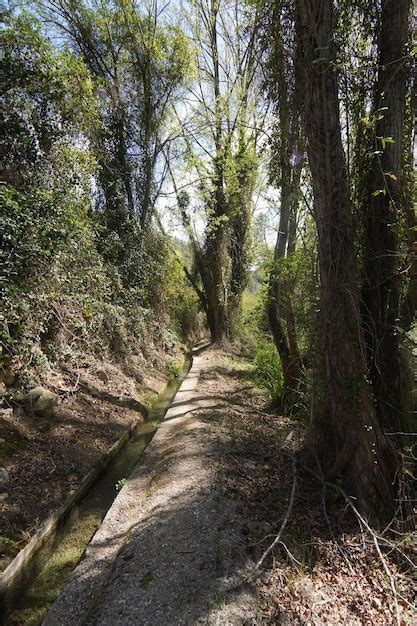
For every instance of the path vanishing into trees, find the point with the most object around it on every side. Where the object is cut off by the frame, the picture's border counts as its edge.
(244, 172)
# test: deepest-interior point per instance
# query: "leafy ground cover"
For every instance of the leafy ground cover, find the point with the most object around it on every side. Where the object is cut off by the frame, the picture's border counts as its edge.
(327, 568)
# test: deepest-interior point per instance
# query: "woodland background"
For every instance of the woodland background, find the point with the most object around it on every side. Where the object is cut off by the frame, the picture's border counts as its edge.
(151, 155)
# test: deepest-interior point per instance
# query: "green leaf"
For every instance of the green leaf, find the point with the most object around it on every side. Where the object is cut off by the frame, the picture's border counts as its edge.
(146, 580)
(385, 140)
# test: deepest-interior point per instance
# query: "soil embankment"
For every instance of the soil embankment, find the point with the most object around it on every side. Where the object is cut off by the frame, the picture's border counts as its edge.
(48, 455)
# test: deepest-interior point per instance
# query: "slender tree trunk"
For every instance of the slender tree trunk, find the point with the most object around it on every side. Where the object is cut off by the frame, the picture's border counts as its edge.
(279, 305)
(280, 289)
(384, 199)
(409, 303)
(289, 311)
(148, 164)
(348, 442)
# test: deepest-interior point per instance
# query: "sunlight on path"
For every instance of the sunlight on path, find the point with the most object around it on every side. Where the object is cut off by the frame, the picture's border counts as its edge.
(169, 539)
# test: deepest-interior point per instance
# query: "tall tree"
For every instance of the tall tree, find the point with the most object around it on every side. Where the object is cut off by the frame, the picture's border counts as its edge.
(348, 440)
(220, 132)
(384, 202)
(286, 172)
(138, 63)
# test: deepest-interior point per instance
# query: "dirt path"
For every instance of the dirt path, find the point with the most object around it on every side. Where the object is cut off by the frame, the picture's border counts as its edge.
(170, 546)
(201, 508)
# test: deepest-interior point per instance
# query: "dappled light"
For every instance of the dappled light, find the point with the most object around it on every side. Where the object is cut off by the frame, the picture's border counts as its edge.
(209, 292)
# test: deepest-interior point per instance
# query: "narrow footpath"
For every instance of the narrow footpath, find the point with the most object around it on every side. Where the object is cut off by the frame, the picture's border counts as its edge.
(204, 504)
(170, 548)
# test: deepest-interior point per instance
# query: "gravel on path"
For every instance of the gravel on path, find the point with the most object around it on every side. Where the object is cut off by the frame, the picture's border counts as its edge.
(169, 549)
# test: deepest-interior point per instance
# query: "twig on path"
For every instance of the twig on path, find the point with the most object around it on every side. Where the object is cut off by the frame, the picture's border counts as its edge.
(290, 554)
(71, 389)
(242, 470)
(277, 539)
(53, 468)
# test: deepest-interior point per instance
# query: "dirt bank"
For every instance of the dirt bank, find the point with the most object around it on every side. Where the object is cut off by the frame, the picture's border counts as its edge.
(46, 456)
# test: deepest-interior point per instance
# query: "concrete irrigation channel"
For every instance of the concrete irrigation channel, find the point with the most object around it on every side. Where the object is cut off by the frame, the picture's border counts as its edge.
(38, 574)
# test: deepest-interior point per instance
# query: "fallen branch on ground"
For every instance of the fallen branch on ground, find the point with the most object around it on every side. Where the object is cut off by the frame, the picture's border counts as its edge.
(277, 539)
(364, 524)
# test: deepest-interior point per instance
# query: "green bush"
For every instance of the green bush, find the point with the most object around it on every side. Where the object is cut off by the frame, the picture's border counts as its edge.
(268, 371)
(180, 298)
(174, 369)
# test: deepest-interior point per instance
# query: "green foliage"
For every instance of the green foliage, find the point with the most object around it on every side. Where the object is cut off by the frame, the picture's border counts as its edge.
(174, 369)
(80, 276)
(300, 271)
(252, 327)
(120, 484)
(181, 299)
(50, 264)
(268, 371)
(45, 96)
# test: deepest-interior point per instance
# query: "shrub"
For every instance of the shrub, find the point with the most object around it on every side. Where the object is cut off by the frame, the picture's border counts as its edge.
(268, 372)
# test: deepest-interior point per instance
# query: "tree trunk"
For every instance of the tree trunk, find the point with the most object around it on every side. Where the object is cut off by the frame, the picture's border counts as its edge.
(217, 260)
(409, 303)
(216, 282)
(280, 289)
(280, 305)
(383, 203)
(348, 441)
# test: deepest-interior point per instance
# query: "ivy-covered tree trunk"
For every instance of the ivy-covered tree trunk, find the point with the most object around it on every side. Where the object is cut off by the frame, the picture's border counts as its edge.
(348, 440)
(280, 287)
(216, 284)
(383, 205)
(279, 306)
(241, 199)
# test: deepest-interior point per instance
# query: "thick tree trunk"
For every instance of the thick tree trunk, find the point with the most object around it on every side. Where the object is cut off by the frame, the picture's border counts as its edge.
(383, 203)
(241, 210)
(216, 257)
(216, 282)
(349, 441)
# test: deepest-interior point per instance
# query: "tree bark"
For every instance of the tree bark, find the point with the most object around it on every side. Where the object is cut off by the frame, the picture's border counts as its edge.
(217, 260)
(279, 307)
(384, 202)
(409, 303)
(280, 289)
(347, 441)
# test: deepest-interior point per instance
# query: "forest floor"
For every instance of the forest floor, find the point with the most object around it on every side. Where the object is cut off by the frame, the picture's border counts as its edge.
(181, 541)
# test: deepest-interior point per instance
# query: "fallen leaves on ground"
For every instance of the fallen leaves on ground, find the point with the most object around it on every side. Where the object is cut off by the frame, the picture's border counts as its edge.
(318, 575)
